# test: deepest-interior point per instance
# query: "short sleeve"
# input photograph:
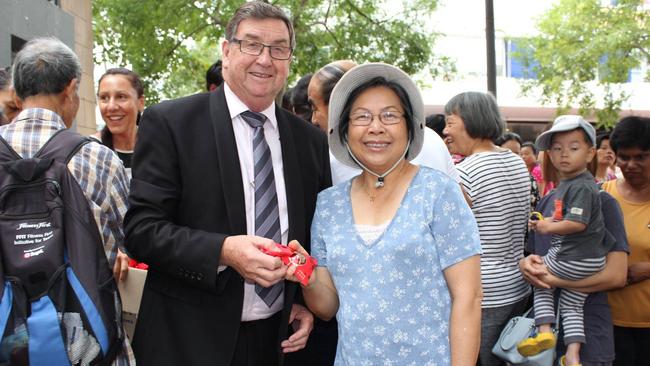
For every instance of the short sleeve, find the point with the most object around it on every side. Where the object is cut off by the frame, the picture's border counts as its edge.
(614, 223)
(578, 203)
(465, 180)
(318, 249)
(453, 227)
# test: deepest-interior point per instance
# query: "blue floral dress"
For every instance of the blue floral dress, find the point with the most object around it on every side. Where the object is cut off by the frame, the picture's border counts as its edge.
(394, 301)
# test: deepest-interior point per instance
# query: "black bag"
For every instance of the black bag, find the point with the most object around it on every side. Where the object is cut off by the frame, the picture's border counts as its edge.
(59, 303)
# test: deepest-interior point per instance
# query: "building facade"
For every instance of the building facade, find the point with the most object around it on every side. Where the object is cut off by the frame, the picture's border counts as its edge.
(68, 20)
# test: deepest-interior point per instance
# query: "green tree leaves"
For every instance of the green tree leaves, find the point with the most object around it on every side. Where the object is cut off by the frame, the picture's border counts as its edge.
(171, 43)
(584, 46)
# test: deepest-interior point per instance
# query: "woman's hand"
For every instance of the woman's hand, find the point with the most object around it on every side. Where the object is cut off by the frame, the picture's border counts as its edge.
(540, 226)
(295, 245)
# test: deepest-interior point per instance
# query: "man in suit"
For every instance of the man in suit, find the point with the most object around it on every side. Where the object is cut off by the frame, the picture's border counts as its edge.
(217, 177)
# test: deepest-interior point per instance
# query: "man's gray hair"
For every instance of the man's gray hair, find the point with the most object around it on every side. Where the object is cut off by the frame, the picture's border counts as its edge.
(479, 112)
(44, 66)
(258, 10)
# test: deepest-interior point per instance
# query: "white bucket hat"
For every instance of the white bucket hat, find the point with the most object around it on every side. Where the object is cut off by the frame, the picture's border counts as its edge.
(350, 81)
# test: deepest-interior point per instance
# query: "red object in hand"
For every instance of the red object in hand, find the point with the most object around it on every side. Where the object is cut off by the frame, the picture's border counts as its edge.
(139, 265)
(304, 266)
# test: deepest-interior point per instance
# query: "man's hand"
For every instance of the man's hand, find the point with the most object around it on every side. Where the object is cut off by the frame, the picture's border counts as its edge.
(243, 253)
(534, 270)
(638, 272)
(302, 321)
(121, 267)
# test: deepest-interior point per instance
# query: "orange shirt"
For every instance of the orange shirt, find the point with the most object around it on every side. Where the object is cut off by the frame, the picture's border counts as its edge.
(631, 304)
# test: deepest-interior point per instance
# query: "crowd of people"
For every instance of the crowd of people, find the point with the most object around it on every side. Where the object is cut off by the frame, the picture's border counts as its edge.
(421, 225)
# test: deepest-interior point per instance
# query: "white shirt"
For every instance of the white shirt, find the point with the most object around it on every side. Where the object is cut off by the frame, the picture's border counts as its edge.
(434, 154)
(254, 307)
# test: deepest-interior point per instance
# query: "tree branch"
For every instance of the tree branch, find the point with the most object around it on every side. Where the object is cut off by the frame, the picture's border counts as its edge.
(358, 11)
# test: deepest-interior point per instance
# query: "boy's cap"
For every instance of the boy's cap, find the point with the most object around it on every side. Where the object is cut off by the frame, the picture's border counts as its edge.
(563, 124)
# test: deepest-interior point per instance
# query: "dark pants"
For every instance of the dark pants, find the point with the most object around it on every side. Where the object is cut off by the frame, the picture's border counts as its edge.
(492, 322)
(257, 343)
(632, 346)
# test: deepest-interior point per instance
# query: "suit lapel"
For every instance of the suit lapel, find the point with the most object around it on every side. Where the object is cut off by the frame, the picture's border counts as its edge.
(228, 162)
(292, 178)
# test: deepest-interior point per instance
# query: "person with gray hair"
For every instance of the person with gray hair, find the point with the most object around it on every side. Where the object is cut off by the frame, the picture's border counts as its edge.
(218, 179)
(498, 185)
(8, 108)
(46, 77)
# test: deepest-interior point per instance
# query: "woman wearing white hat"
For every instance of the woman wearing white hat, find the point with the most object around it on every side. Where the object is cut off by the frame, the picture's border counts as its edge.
(398, 247)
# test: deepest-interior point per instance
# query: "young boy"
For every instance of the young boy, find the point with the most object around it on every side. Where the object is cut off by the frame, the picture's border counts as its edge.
(578, 247)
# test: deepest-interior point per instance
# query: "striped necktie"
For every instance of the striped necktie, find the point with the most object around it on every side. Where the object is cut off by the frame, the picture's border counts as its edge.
(267, 216)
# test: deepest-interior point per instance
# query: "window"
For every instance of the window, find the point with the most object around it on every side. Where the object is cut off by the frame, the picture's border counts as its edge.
(615, 75)
(516, 50)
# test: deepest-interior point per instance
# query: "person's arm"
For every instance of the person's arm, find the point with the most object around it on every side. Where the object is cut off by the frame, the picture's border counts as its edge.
(302, 322)
(612, 277)
(564, 227)
(465, 195)
(464, 282)
(320, 294)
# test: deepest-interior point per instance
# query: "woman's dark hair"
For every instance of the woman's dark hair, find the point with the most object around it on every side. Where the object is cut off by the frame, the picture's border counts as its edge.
(600, 138)
(213, 76)
(374, 83)
(436, 122)
(299, 100)
(508, 136)
(531, 145)
(133, 78)
(138, 86)
(631, 132)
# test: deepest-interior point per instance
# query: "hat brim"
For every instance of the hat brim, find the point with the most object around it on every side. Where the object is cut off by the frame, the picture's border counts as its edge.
(543, 141)
(350, 81)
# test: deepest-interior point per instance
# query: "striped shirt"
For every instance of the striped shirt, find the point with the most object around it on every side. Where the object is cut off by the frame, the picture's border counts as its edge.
(98, 171)
(498, 184)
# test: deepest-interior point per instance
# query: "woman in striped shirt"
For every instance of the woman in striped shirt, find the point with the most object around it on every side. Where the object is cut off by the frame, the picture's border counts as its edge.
(498, 184)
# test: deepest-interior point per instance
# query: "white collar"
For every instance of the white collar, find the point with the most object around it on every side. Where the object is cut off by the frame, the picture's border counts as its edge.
(236, 106)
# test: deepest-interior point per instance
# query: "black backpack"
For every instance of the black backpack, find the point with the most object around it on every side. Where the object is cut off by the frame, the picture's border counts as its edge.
(59, 303)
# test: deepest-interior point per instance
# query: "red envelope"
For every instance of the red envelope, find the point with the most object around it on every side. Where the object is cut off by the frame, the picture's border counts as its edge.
(304, 266)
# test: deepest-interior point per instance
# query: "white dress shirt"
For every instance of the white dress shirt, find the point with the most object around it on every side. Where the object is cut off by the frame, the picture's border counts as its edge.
(254, 307)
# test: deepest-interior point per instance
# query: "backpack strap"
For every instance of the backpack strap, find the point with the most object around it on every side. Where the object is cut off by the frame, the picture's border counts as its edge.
(5, 305)
(62, 146)
(7, 153)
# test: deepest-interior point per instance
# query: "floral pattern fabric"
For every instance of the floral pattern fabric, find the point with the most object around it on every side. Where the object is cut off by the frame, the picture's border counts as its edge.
(394, 301)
